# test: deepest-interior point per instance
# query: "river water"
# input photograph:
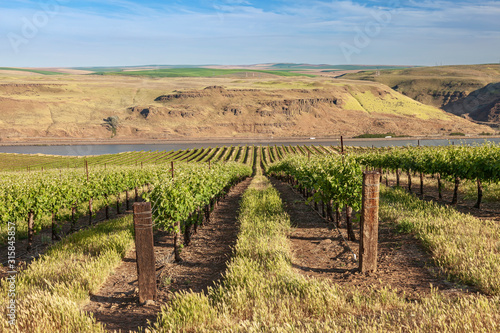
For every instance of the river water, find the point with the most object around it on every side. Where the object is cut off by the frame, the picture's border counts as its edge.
(86, 150)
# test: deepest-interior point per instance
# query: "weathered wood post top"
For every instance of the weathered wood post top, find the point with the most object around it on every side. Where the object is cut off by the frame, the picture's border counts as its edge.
(368, 246)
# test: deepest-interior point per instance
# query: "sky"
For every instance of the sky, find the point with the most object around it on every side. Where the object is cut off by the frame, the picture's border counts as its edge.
(77, 33)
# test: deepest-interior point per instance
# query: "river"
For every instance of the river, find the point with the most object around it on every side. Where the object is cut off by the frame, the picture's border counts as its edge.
(100, 149)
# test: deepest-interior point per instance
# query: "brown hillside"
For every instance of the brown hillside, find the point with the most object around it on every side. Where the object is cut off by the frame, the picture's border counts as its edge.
(175, 108)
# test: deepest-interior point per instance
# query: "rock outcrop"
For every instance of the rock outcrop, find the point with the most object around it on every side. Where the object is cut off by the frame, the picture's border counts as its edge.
(481, 105)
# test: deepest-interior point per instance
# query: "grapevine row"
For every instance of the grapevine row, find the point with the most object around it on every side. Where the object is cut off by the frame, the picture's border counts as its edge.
(180, 203)
(329, 180)
(27, 197)
(454, 163)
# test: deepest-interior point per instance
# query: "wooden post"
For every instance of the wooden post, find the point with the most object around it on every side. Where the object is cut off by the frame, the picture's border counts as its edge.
(107, 207)
(172, 166)
(368, 245)
(421, 183)
(479, 194)
(177, 242)
(90, 211)
(341, 144)
(30, 230)
(329, 211)
(409, 181)
(348, 221)
(144, 251)
(118, 204)
(187, 233)
(455, 191)
(127, 198)
(337, 215)
(73, 218)
(54, 227)
(440, 192)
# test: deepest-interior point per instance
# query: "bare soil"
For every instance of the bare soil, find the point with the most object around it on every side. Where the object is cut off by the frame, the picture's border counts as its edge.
(203, 261)
(319, 251)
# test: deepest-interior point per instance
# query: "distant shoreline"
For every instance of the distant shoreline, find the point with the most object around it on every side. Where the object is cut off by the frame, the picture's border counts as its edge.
(226, 140)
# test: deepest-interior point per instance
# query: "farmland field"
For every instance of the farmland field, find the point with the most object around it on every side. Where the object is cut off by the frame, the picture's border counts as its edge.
(270, 240)
(200, 72)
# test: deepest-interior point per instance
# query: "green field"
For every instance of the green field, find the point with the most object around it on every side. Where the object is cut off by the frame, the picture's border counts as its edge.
(198, 72)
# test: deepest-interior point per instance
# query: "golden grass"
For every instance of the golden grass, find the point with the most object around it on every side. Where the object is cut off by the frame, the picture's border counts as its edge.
(465, 247)
(51, 290)
(397, 104)
(261, 292)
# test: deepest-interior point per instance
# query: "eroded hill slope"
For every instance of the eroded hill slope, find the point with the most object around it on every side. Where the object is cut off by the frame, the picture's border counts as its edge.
(468, 89)
(76, 106)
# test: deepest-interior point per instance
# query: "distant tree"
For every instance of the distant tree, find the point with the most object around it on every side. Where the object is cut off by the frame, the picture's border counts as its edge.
(111, 124)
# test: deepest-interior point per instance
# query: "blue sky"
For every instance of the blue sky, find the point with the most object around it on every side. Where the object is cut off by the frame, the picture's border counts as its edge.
(55, 33)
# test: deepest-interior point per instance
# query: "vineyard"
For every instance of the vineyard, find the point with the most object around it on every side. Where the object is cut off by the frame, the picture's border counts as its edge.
(292, 263)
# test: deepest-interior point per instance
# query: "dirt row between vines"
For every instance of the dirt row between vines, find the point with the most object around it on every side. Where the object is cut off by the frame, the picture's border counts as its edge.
(204, 260)
(320, 252)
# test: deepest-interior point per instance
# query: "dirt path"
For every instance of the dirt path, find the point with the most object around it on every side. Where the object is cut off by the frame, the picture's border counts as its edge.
(116, 304)
(320, 252)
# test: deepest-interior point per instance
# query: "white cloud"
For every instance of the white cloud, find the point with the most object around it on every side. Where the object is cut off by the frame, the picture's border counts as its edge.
(239, 31)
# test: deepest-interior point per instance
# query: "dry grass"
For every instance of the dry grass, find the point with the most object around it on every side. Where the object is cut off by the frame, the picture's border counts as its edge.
(75, 106)
(465, 247)
(262, 293)
(397, 104)
(50, 291)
